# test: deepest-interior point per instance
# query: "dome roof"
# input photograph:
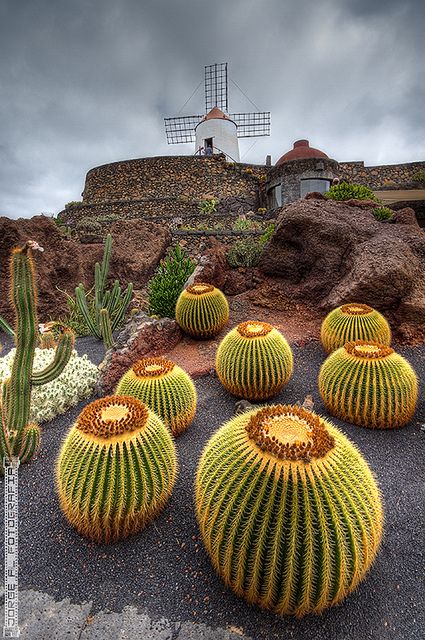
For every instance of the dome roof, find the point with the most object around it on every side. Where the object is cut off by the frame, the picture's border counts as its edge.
(216, 113)
(301, 151)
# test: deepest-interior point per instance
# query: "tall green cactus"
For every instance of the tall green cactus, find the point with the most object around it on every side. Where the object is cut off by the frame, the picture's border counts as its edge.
(288, 509)
(110, 306)
(19, 438)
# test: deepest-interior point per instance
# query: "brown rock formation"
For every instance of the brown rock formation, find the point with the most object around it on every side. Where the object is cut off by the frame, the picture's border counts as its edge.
(137, 248)
(329, 253)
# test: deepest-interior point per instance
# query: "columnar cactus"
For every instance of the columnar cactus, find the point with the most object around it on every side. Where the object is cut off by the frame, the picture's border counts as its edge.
(116, 468)
(354, 321)
(110, 306)
(369, 384)
(202, 310)
(18, 437)
(254, 361)
(165, 388)
(288, 509)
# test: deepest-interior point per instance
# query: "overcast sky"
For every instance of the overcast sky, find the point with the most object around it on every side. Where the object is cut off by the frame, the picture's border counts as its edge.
(87, 82)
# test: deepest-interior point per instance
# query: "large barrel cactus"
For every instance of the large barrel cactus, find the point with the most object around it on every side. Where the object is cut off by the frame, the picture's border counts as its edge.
(288, 509)
(254, 361)
(369, 384)
(202, 310)
(165, 388)
(116, 468)
(354, 321)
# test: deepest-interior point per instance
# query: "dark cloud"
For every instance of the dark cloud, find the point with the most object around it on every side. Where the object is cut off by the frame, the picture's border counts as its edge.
(84, 83)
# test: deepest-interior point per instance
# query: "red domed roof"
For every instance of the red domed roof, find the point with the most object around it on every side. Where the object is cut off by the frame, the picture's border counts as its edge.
(300, 151)
(216, 113)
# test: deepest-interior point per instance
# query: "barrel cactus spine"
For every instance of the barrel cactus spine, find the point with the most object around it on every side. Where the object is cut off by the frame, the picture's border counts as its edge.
(18, 437)
(116, 469)
(254, 361)
(353, 321)
(288, 509)
(202, 310)
(367, 383)
(166, 389)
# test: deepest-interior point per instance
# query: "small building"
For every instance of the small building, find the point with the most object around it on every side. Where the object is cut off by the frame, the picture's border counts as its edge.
(217, 133)
(299, 171)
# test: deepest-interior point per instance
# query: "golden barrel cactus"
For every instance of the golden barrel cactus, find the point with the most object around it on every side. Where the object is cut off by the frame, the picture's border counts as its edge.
(165, 388)
(254, 361)
(354, 321)
(369, 384)
(116, 468)
(288, 509)
(202, 310)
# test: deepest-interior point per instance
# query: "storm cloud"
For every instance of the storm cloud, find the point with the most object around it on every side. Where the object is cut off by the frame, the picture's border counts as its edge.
(88, 82)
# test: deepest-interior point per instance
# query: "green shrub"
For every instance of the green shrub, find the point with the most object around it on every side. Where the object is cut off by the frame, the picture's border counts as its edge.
(88, 225)
(245, 224)
(419, 176)
(382, 213)
(73, 203)
(168, 282)
(74, 318)
(268, 233)
(346, 191)
(245, 252)
(208, 205)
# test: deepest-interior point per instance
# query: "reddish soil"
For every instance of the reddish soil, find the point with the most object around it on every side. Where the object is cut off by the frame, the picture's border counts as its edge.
(298, 323)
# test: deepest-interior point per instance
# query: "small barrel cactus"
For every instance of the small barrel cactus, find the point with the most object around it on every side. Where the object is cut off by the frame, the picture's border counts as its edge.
(116, 468)
(254, 361)
(354, 321)
(369, 384)
(202, 310)
(288, 509)
(165, 388)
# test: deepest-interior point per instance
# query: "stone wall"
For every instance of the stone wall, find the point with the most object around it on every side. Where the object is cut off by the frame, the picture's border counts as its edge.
(391, 176)
(170, 176)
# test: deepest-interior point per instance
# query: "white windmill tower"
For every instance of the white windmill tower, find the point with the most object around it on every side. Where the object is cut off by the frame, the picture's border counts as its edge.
(217, 131)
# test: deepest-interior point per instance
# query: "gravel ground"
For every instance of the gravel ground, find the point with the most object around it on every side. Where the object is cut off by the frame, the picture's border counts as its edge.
(165, 572)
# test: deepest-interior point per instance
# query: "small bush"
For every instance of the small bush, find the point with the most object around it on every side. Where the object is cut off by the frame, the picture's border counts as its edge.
(245, 224)
(73, 203)
(168, 281)
(87, 225)
(346, 191)
(419, 176)
(382, 213)
(245, 253)
(268, 233)
(209, 205)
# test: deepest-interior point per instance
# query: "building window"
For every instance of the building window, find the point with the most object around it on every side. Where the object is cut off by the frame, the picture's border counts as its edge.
(314, 184)
(274, 197)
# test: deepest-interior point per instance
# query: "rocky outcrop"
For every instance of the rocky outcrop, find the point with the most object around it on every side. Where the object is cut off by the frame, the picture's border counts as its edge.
(329, 253)
(141, 337)
(137, 248)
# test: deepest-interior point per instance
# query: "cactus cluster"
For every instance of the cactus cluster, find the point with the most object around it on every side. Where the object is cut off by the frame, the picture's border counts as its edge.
(75, 382)
(19, 437)
(165, 388)
(202, 310)
(116, 468)
(354, 321)
(254, 361)
(110, 305)
(288, 509)
(367, 383)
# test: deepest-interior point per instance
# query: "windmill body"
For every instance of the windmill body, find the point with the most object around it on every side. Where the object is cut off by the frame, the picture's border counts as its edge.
(217, 131)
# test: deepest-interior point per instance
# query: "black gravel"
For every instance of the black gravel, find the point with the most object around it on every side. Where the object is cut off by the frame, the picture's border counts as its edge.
(165, 570)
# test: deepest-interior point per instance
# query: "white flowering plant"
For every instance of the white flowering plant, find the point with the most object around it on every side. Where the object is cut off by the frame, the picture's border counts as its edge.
(76, 382)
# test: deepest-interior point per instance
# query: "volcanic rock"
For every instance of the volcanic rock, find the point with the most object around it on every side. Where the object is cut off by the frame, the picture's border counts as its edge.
(329, 253)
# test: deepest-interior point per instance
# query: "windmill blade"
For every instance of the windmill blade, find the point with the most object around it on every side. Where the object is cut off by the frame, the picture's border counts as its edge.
(250, 125)
(216, 88)
(181, 129)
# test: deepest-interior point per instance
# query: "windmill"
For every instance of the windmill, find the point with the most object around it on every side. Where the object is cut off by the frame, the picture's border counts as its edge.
(217, 131)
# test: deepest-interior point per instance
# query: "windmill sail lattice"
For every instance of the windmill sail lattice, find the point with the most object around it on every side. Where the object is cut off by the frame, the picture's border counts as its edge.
(181, 129)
